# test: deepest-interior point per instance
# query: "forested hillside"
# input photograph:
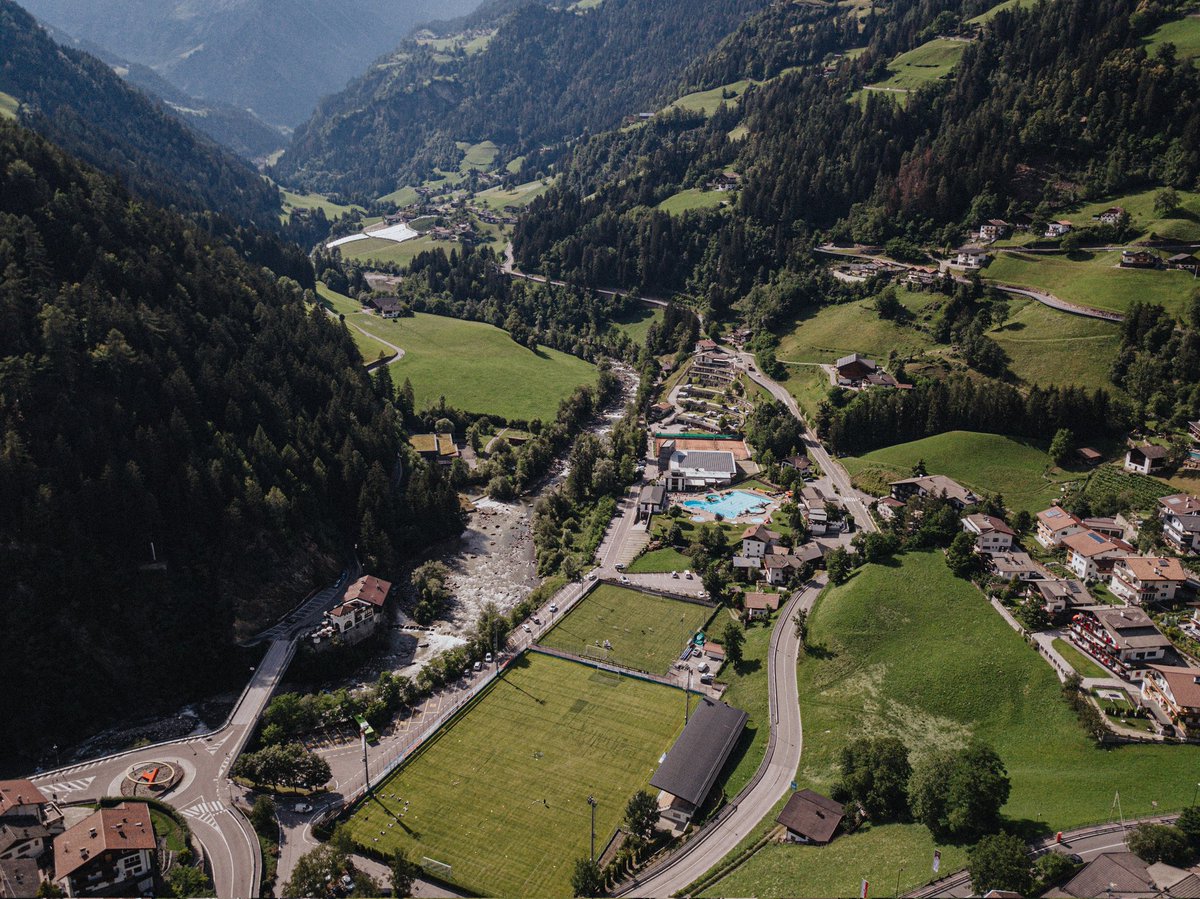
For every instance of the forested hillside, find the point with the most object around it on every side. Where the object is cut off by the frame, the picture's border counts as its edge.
(276, 58)
(156, 389)
(548, 74)
(84, 107)
(1048, 103)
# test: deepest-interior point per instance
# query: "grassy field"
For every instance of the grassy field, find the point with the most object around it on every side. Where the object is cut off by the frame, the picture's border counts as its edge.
(659, 560)
(838, 330)
(8, 106)
(984, 18)
(747, 690)
(501, 795)
(1093, 279)
(1048, 347)
(404, 196)
(693, 198)
(709, 101)
(1084, 666)
(378, 249)
(1183, 33)
(648, 632)
(908, 650)
(521, 195)
(1183, 225)
(922, 65)
(1015, 468)
(636, 323)
(332, 210)
(477, 156)
(809, 385)
(475, 366)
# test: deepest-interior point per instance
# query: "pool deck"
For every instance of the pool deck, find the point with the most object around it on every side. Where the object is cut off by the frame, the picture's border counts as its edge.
(752, 515)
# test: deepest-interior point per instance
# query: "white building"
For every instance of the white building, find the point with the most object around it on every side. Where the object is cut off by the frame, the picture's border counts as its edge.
(1140, 580)
(992, 535)
(700, 469)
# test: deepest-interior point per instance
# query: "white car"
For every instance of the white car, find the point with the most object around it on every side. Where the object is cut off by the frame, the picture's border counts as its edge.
(688, 574)
(675, 574)
(553, 607)
(488, 658)
(526, 628)
(303, 808)
(624, 580)
(592, 576)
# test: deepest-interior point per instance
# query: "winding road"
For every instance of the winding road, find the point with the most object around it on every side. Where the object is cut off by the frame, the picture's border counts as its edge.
(770, 783)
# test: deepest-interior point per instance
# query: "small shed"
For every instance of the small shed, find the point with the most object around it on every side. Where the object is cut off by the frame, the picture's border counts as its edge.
(810, 817)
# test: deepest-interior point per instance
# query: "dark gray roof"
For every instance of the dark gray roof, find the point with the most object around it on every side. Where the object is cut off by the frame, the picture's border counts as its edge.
(709, 460)
(812, 816)
(652, 493)
(19, 878)
(15, 831)
(693, 763)
(1123, 870)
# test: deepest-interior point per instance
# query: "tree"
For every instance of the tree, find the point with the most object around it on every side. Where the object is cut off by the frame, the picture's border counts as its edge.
(1166, 202)
(404, 872)
(586, 880)
(641, 814)
(875, 773)
(961, 557)
(800, 620)
(1000, 862)
(1160, 843)
(1060, 446)
(262, 815)
(919, 470)
(959, 793)
(839, 566)
(1022, 521)
(675, 534)
(186, 881)
(1189, 825)
(1052, 868)
(733, 637)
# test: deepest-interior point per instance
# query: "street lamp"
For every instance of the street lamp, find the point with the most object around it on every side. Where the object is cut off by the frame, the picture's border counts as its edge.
(592, 802)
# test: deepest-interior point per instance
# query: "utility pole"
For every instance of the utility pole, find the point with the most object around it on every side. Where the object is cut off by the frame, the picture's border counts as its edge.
(592, 803)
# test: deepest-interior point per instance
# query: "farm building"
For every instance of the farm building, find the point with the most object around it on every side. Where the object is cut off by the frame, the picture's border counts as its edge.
(690, 769)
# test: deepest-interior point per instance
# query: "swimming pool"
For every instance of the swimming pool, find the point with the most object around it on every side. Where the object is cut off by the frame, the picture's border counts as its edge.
(731, 505)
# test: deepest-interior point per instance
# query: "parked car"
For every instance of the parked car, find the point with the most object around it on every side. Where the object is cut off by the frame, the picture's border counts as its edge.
(624, 580)
(537, 620)
(688, 574)
(526, 628)
(706, 678)
(592, 576)
(675, 574)
(488, 658)
(553, 607)
(620, 566)
(704, 667)
(476, 667)
(303, 808)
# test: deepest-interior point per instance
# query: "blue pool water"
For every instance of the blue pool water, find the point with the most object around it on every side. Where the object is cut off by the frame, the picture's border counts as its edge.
(731, 505)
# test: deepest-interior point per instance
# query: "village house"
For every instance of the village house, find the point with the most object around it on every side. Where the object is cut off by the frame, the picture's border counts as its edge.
(715, 652)
(1177, 693)
(1105, 527)
(1019, 565)
(1092, 556)
(695, 469)
(660, 411)
(1059, 596)
(19, 878)
(992, 535)
(23, 838)
(110, 852)
(760, 605)
(712, 369)
(1184, 262)
(858, 372)
(357, 616)
(1122, 875)
(1124, 638)
(782, 569)
(652, 500)
(20, 800)
(886, 507)
(810, 817)
(1146, 458)
(1138, 259)
(1057, 229)
(1088, 456)
(386, 307)
(1144, 580)
(1054, 525)
(934, 485)
(437, 448)
(970, 257)
(757, 540)
(1180, 515)
(993, 229)
(796, 463)
(727, 180)
(1111, 216)
(747, 568)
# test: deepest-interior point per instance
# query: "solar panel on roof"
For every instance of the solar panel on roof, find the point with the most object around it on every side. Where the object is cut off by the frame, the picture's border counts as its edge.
(1096, 537)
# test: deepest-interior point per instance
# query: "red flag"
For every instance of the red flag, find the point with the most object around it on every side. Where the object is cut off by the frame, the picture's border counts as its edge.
(863, 894)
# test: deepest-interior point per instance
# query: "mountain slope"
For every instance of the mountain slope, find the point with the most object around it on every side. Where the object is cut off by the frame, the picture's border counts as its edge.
(157, 389)
(546, 75)
(237, 129)
(84, 107)
(275, 57)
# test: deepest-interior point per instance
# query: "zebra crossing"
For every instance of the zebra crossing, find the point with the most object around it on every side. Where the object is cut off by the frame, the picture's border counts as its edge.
(204, 811)
(62, 788)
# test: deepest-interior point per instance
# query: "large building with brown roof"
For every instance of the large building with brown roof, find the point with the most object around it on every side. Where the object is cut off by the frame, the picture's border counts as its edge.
(1177, 692)
(357, 616)
(1147, 580)
(109, 853)
(1123, 637)
(1056, 524)
(20, 798)
(934, 485)
(1092, 556)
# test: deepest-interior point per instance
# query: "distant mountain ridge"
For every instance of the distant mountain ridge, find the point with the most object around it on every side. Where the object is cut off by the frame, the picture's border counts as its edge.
(84, 107)
(547, 74)
(275, 57)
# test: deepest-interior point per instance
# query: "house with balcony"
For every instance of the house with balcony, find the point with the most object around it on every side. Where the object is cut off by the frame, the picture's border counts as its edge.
(1146, 458)
(1059, 596)
(991, 534)
(758, 540)
(1123, 638)
(109, 853)
(1019, 565)
(1147, 580)
(1180, 516)
(357, 616)
(934, 485)
(1177, 692)
(1054, 525)
(1092, 556)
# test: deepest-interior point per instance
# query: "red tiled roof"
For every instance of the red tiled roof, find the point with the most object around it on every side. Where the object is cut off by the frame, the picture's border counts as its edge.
(369, 588)
(1184, 684)
(761, 601)
(120, 829)
(16, 793)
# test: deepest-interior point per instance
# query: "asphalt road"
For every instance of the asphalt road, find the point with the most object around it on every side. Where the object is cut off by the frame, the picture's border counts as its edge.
(205, 794)
(772, 780)
(851, 498)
